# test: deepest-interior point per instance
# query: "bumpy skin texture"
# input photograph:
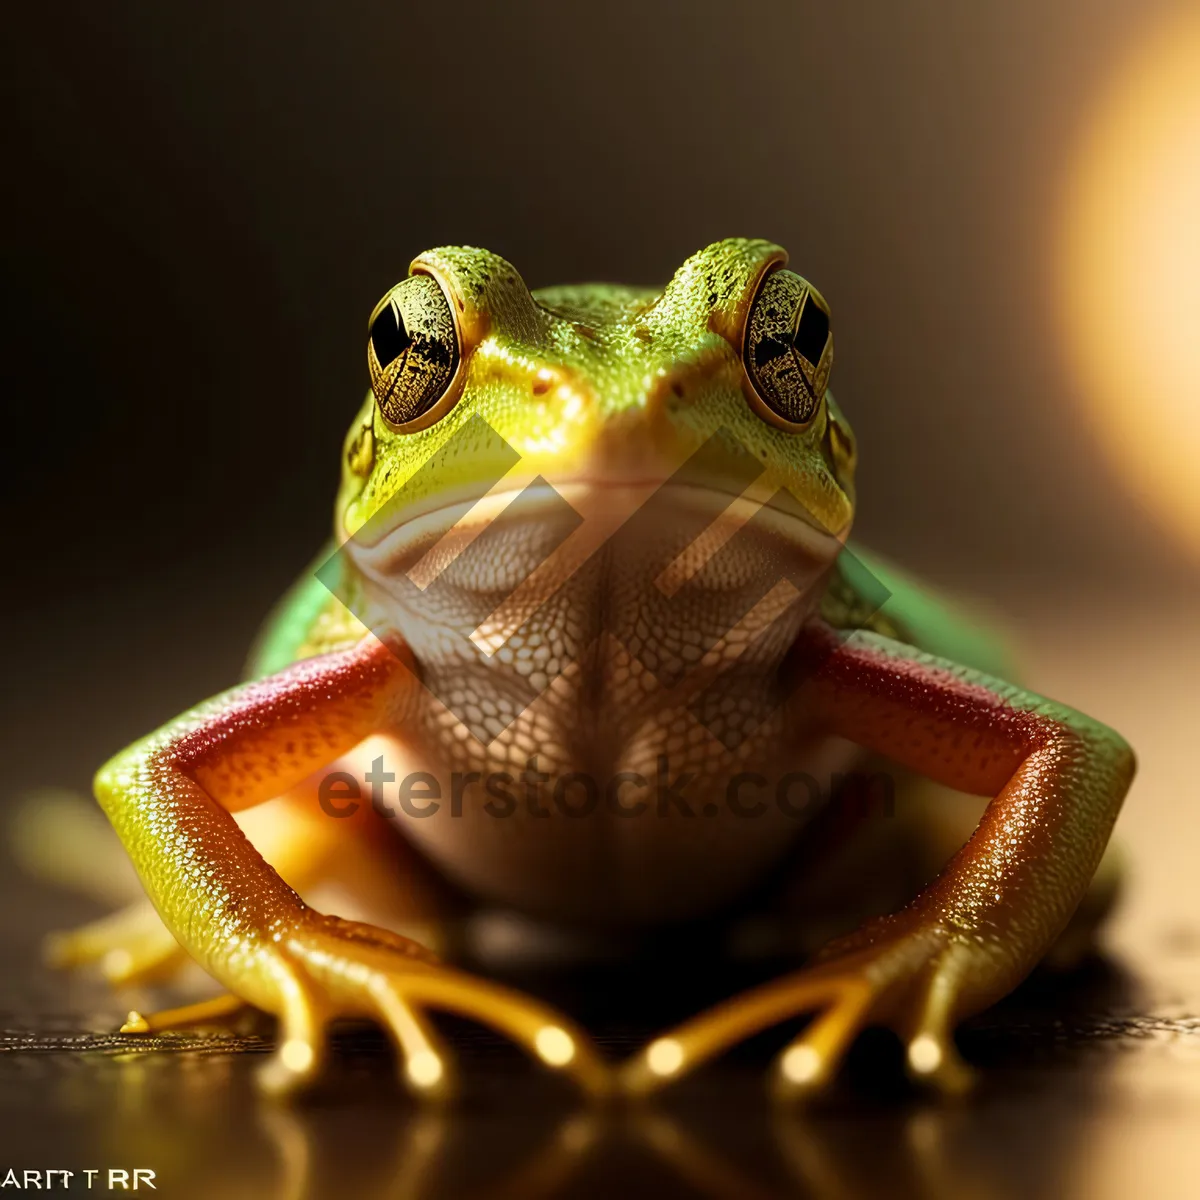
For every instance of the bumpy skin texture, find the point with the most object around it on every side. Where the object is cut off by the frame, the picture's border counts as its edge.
(605, 391)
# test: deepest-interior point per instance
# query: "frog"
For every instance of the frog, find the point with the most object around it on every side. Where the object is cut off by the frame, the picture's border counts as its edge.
(483, 622)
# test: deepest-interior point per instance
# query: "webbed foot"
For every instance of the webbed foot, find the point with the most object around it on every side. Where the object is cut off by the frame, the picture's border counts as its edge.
(903, 977)
(325, 968)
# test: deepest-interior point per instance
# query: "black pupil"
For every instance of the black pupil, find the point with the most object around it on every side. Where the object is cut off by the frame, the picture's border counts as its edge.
(812, 333)
(388, 336)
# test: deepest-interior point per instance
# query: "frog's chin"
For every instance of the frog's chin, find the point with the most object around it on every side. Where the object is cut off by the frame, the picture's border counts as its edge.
(506, 535)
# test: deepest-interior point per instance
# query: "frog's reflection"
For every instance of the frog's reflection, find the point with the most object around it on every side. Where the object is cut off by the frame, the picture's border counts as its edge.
(195, 1120)
(637, 1152)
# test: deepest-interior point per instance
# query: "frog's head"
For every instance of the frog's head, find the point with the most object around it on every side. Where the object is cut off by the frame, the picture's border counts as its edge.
(598, 387)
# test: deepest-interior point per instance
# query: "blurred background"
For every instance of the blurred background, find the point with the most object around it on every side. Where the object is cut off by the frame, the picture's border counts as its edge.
(1001, 202)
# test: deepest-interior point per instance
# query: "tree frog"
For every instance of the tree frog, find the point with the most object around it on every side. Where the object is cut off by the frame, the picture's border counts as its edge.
(587, 630)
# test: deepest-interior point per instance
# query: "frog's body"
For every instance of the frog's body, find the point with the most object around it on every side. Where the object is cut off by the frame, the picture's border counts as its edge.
(608, 870)
(646, 622)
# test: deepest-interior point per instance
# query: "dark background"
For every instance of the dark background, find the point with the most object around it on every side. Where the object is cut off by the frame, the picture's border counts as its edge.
(202, 204)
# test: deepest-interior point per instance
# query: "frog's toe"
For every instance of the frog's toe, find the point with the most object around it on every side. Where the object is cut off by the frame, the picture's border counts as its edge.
(933, 1060)
(905, 981)
(427, 1067)
(300, 1044)
(917, 1005)
(926, 1021)
(334, 968)
(217, 1011)
(809, 1062)
(131, 945)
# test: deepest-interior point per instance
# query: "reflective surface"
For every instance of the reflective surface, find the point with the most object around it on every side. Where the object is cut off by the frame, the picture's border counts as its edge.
(1090, 1083)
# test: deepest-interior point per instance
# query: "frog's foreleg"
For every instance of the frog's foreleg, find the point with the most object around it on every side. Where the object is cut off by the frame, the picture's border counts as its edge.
(314, 853)
(171, 798)
(1056, 778)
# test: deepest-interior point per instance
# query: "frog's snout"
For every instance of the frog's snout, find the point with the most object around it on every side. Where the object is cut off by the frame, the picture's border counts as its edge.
(649, 439)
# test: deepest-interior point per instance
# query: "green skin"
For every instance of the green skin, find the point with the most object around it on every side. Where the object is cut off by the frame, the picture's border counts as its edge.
(610, 384)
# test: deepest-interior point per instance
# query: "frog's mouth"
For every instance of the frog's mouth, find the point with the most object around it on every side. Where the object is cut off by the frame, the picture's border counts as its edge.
(517, 546)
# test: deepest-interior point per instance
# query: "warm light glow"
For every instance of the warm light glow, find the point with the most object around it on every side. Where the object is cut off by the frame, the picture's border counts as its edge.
(1131, 271)
(424, 1068)
(800, 1064)
(665, 1056)
(924, 1054)
(296, 1055)
(554, 1045)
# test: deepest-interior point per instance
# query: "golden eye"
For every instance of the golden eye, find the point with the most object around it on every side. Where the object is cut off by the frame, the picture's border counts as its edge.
(788, 348)
(413, 353)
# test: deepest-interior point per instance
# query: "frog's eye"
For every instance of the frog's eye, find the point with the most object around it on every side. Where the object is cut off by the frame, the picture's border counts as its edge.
(412, 353)
(788, 348)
